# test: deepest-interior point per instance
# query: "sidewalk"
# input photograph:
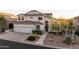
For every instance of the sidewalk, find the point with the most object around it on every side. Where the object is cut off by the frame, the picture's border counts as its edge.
(40, 41)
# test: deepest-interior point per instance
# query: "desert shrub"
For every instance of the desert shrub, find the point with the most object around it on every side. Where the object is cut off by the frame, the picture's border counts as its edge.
(77, 33)
(31, 38)
(3, 30)
(60, 33)
(73, 43)
(50, 32)
(54, 33)
(67, 41)
(37, 32)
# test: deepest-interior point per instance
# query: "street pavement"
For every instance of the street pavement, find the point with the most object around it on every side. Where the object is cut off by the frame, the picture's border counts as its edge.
(5, 44)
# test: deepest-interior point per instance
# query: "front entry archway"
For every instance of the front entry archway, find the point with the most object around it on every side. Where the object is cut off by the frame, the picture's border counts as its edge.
(11, 26)
(38, 28)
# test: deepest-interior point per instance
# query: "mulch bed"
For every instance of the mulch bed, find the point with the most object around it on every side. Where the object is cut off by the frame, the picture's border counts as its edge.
(37, 38)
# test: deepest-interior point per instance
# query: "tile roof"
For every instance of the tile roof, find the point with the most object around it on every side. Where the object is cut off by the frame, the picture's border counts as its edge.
(37, 14)
(11, 19)
(28, 22)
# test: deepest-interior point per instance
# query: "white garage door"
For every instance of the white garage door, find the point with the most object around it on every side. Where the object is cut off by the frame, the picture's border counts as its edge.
(23, 29)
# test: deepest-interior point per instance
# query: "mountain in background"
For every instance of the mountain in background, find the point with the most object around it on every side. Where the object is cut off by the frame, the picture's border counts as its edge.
(8, 15)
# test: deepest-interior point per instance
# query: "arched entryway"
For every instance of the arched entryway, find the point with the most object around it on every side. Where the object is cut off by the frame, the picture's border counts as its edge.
(46, 26)
(11, 26)
(38, 28)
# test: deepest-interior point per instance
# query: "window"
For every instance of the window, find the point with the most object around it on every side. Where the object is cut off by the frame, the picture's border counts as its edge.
(31, 17)
(46, 22)
(18, 18)
(39, 18)
(22, 18)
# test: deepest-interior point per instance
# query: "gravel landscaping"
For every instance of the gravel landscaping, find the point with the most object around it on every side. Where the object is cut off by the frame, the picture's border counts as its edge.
(57, 40)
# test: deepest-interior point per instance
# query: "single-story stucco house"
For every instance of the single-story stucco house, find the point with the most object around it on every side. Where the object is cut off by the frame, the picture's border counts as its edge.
(32, 20)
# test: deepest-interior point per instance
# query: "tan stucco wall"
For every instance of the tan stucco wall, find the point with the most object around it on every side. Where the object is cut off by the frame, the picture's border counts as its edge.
(35, 18)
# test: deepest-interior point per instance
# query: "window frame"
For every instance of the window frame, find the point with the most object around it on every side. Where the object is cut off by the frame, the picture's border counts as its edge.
(22, 17)
(31, 17)
(19, 18)
(40, 18)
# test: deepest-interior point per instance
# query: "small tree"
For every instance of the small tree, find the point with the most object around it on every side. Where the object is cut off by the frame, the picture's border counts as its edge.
(2, 23)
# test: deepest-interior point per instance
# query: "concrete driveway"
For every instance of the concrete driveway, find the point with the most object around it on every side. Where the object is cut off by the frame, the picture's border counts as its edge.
(13, 36)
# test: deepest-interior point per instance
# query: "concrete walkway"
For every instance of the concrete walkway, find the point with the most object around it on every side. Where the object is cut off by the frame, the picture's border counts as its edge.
(40, 41)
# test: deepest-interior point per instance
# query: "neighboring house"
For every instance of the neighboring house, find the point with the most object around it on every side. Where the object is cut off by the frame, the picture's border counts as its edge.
(76, 22)
(33, 20)
(9, 22)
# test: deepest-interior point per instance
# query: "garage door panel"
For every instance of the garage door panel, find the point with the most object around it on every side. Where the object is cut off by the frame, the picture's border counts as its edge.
(23, 29)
